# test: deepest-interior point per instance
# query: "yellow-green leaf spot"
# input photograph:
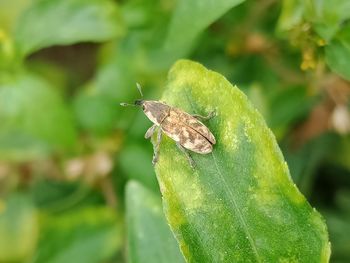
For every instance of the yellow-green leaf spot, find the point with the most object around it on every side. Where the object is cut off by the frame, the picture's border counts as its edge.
(239, 203)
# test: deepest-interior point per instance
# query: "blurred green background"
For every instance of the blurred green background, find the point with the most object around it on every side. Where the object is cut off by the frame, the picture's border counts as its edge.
(68, 150)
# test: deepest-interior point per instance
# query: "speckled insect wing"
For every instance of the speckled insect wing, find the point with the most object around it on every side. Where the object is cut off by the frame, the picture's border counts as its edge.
(188, 131)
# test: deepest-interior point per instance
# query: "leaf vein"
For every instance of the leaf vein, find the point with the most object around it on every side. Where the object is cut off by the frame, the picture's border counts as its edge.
(233, 202)
(236, 208)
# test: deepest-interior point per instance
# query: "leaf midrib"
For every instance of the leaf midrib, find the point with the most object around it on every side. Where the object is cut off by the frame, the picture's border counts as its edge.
(228, 190)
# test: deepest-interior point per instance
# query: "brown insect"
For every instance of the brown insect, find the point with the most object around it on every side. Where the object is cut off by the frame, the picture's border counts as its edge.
(185, 129)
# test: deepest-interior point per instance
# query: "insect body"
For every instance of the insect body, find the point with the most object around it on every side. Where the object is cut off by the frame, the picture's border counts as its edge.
(185, 129)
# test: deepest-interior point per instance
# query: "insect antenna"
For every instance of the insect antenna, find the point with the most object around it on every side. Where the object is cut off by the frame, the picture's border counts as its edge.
(134, 104)
(124, 104)
(139, 88)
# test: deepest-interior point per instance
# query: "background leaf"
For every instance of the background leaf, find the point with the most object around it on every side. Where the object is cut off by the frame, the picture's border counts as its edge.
(102, 107)
(147, 225)
(9, 12)
(25, 132)
(142, 172)
(18, 228)
(89, 235)
(291, 14)
(64, 22)
(338, 54)
(239, 203)
(327, 16)
(293, 104)
(303, 162)
(190, 18)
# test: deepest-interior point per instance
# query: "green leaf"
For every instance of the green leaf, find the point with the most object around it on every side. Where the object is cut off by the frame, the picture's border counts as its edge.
(58, 196)
(341, 153)
(116, 79)
(338, 54)
(304, 162)
(86, 235)
(239, 203)
(113, 83)
(9, 12)
(18, 228)
(191, 18)
(143, 172)
(339, 231)
(327, 16)
(291, 14)
(149, 236)
(64, 22)
(34, 119)
(147, 22)
(95, 112)
(293, 104)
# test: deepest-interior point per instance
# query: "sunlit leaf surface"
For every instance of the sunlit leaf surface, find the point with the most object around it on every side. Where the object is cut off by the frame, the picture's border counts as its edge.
(239, 203)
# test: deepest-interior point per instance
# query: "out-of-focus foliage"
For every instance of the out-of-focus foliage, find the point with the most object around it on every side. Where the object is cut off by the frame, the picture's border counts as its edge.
(147, 225)
(205, 11)
(67, 149)
(24, 98)
(18, 228)
(64, 22)
(87, 235)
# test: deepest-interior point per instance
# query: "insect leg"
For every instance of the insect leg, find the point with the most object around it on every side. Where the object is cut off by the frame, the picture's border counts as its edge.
(156, 147)
(189, 158)
(205, 118)
(150, 131)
